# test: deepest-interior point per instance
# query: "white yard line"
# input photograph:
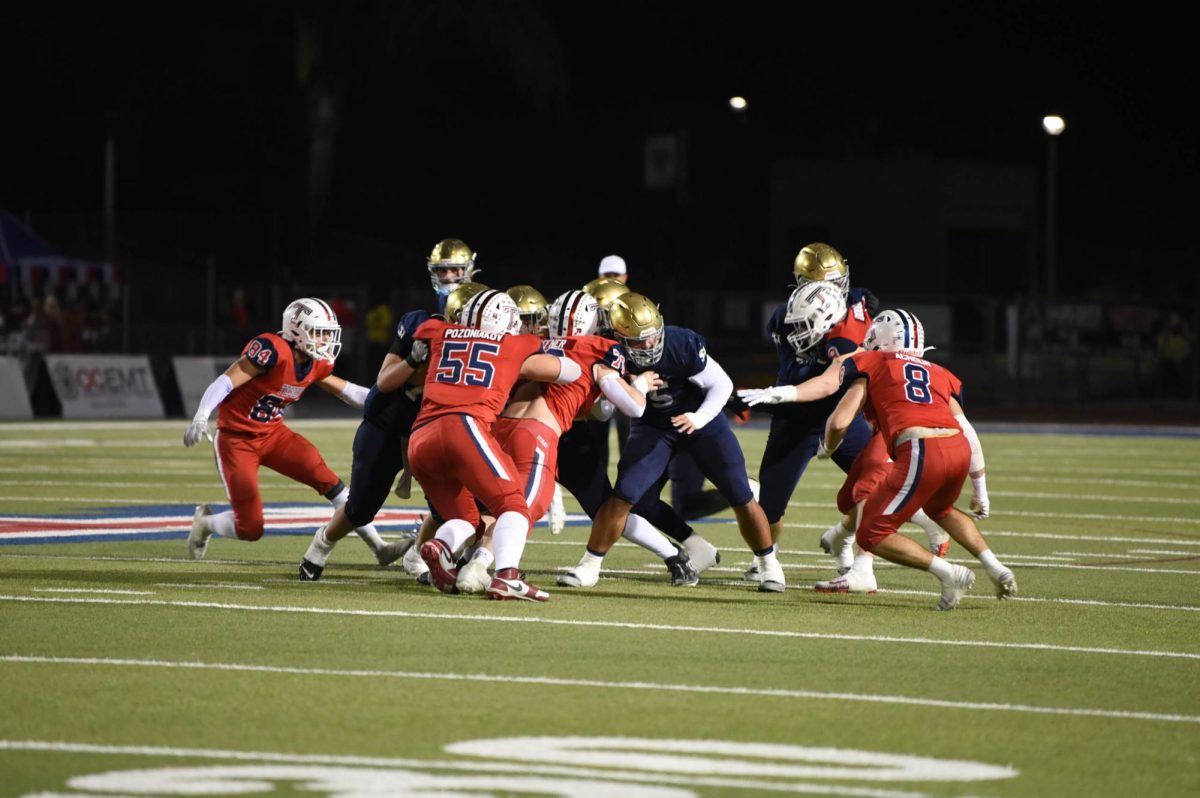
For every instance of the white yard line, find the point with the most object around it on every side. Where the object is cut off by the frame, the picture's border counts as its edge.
(93, 590)
(207, 585)
(207, 605)
(592, 684)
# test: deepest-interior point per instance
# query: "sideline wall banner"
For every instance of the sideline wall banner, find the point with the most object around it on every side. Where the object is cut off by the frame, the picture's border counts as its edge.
(194, 374)
(14, 396)
(105, 386)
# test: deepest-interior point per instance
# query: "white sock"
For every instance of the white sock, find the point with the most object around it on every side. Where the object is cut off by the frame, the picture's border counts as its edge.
(482, 553)
(223, 525)
(638, 530)
(994, 567)
(508, 539)
(590, 561)
(320, 548)
(864, 563)
(941, 569)
(455, 533)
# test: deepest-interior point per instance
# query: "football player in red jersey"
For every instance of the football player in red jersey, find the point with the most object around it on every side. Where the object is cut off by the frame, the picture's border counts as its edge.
(535, 419)
(273, 371)
(452, 452)
(916, 405)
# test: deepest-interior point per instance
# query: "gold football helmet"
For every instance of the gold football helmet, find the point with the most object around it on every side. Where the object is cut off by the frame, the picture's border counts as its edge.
(532, 307)
(456, 262)
(458, 297)
(605, 290)
(639, 326)
(820, 262)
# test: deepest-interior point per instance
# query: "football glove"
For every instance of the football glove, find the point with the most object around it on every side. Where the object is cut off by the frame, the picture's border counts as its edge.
(418, 354)
(767, 396)
(196, 430)
(980, 507)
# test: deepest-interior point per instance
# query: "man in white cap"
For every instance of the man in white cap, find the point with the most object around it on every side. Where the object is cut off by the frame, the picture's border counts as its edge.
(613, 266)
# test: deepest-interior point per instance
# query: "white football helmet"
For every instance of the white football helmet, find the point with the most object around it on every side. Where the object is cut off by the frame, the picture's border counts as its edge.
(574, 313)
(312, 327)
(897, 331)
(450, 253)
(813, 309)
(492, 311)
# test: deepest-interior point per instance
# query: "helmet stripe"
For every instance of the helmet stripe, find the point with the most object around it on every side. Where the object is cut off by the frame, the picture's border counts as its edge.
(324, 306)
(570, 316)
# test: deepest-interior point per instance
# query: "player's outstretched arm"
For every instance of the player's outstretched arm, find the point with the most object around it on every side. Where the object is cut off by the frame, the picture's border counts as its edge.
(840, 419)
(351, 393)
(980, 506)
(824, 384)
(550, 368)
(241, 372)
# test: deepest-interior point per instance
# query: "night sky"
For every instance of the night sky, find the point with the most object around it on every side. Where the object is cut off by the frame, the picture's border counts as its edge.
(519, 126)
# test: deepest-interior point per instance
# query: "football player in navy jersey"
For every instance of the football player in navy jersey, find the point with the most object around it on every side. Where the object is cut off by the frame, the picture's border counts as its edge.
(391, 407)
(685, 413)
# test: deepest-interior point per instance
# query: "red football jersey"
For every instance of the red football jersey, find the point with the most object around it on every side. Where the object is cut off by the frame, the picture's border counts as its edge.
(258, 405)
(904, 391)
(470, 371)
(852, 330)
(568, 401)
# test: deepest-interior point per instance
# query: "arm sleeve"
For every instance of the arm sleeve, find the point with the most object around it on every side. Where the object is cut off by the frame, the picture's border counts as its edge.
(354, 395)
(717, 387)
(615, 392)
(977, 462)
(568, 371)
(214, 395)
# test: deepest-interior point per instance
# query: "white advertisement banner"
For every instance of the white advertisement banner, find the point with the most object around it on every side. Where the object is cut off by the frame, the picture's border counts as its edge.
(105, 386)
(194, 375)
(14, 396)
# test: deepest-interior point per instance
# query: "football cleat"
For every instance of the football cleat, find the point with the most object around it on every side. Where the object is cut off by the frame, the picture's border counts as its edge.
(507, 585)
(413, 564)
(960, 581)
(753, 573)
(701, 554)
(442, 572)
(845, 551)
(473, 577)
(423, 579)
(310, 571)
(586, 574)
(849, 582)
(772, 576)
(197, 541)
(682, 572)
(390, 552)
(1006, 585)
(940, 549)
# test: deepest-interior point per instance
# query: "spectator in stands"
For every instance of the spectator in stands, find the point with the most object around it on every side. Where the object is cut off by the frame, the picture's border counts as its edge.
(1174, 347)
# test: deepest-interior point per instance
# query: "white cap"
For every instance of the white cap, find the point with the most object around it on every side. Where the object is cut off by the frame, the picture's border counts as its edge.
(611, 264)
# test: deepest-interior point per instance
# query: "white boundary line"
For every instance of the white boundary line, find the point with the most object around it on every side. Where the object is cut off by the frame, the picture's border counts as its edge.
(595, 683)
(658, 627)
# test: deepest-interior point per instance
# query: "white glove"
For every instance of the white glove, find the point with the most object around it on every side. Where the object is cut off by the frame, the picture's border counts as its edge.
(418, 354)
(196, 430)
(767, 396)
(822, 452)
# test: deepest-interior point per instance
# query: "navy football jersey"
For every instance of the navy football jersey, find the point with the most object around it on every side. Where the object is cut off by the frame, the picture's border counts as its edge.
(683, 356)
(396, 410)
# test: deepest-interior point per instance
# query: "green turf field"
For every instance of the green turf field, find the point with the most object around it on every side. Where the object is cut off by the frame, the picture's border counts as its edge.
(127, 669)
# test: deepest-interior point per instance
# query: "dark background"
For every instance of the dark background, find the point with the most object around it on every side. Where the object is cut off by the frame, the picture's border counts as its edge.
(307, 133)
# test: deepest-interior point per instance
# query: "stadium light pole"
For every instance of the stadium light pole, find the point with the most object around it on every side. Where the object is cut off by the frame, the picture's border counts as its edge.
(1054, 125)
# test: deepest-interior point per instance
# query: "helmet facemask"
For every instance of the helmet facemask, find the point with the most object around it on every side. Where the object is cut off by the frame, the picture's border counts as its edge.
(450, 264)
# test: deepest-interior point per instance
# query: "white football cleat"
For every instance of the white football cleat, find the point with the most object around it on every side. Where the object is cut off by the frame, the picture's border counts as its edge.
(849, 582)
(1006, 584)
(586, 574)
(772, 580)
(701, 554)
(412, 562)
(556, 513)
(842, 552)
(197, 541)
(753, 573)
(473, 577)
(388, 553)
(960, 581)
